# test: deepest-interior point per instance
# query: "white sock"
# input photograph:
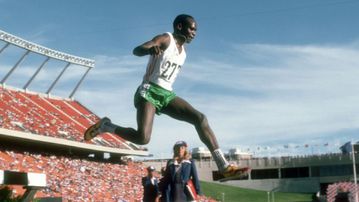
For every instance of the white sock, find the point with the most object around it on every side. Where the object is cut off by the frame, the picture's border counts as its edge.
(220, 160)
(108, 127)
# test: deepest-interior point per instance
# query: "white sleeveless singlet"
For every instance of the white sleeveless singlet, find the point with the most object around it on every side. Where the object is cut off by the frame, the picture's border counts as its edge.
(163, 69)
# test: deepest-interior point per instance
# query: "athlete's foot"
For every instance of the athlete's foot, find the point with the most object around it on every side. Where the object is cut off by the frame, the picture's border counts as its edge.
(235, 171)
(96, 129)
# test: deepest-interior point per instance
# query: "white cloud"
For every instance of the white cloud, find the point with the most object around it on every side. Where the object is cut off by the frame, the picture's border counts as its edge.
(299, 92)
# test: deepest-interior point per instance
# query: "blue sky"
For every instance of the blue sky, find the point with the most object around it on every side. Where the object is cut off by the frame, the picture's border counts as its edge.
(266, 73)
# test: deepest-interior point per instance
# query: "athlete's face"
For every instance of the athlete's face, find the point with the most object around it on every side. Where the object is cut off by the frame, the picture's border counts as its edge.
(188, 30)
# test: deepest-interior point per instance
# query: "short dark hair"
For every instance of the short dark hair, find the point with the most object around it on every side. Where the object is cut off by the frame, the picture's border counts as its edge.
(150, 168)
(181, 19)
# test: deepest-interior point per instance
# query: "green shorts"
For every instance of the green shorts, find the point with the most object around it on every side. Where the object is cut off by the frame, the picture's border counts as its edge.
(154, 94)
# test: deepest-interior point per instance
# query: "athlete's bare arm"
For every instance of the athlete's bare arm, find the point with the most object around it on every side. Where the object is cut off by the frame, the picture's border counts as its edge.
(153, 47)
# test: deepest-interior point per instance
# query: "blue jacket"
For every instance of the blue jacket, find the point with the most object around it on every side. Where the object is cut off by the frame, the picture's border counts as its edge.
(150, 191)
(188, 171)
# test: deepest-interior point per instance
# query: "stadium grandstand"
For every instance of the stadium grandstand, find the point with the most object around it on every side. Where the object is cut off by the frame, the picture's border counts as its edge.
(42, 137)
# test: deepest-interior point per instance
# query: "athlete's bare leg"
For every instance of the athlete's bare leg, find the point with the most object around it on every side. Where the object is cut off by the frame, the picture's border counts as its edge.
(180, 109)
(145, 116)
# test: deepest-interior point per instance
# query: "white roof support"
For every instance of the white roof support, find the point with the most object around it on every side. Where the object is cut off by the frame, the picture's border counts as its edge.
(15, 66)
(79, 83)
(4, 47)
(58, 77)
(36, 73)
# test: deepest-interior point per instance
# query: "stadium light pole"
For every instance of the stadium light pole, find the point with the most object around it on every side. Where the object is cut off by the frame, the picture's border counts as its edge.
(273, 196)
(273, 190)
(355, 174)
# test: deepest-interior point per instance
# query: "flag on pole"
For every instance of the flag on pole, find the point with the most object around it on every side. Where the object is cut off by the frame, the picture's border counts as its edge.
(356, 147)
(346, 148)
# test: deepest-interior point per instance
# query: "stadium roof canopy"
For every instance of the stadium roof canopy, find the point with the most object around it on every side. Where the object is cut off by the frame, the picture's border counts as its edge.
(49, 54)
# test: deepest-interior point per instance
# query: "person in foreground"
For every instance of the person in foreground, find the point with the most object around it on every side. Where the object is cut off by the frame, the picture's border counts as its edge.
(180, 180)
(155, 95)
(151, 192)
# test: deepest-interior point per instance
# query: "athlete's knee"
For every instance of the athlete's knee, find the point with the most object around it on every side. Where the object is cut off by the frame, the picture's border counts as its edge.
(201, 120)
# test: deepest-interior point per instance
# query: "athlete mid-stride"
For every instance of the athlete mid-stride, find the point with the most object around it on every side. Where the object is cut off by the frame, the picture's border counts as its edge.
(155, 95)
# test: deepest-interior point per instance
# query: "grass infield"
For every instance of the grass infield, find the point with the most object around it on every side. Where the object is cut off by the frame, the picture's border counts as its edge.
(236, 194)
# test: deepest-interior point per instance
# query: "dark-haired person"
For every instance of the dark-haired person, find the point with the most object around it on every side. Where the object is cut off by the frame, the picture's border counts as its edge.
(151, 192)
(179, 171)
(155, 94)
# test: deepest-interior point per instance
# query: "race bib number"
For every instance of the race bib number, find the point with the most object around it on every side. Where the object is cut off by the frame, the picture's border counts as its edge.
(169, 69)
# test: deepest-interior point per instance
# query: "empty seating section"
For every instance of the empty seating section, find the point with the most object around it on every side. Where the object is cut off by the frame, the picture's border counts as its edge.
(83, 110)
(58, 118)
(69, 110)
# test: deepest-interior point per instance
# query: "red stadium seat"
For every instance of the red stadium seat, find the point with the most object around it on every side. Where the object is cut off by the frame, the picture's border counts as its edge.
(55, 117)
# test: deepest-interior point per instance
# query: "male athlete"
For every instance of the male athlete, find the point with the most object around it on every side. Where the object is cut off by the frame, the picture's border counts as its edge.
(155, 95)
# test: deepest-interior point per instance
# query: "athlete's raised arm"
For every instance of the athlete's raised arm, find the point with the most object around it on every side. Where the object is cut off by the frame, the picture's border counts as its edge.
(153, 47)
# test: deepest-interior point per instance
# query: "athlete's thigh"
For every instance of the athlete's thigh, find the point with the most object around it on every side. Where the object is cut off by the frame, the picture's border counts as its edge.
(145, 115)
(180, 109)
